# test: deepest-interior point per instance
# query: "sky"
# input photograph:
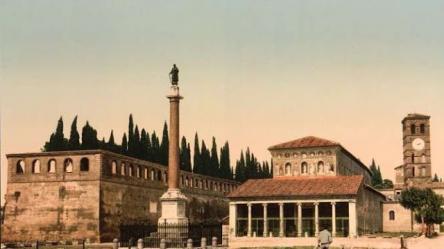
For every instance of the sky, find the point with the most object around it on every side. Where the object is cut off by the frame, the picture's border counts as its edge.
(255, 73)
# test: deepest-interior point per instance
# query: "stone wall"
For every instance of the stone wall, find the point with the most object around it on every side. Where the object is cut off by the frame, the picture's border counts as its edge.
(369, 210)
(402, 221)
(49, 197)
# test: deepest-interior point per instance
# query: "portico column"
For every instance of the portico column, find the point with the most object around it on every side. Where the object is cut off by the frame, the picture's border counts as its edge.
(249, 220)
(299, 219)
(316, 204)
(281, 219)
(265, 220)
(232, 219)
(333, 218)
(352, 218)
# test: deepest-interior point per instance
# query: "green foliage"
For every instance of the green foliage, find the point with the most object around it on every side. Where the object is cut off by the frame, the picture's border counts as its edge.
(89, 138)
(74, 137)
(426, 205)
(185, 155)
(57, 140)
(435, 178)
(164, 146)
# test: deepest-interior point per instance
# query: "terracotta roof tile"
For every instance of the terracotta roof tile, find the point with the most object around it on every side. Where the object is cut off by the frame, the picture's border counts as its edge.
(299, 186)
(305, 142)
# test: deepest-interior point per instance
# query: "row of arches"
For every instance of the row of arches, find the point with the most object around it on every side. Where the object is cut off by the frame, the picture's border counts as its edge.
(303, 154)
(305, 169)
(153, 174)
(51, 167)
(413, 128)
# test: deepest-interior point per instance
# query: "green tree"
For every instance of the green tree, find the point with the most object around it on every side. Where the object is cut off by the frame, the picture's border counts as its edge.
(240, 171)
(57, 140)
(387, 184)
(185, 156)
(376, 178)
(225, 167)
(205, 159)
(124, 149)
(111, 145)
(155, 146)
(74, 137)
(435, 178)
(426, 205)
(145, 145)
(89, 138)
(197, 164)
(164, 145)
(137, 145)
(214, 160)
(131, 143)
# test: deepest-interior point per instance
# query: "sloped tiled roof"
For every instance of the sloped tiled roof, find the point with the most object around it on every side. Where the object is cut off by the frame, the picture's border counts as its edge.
(299, 186)
(415, 116)
(304, 142)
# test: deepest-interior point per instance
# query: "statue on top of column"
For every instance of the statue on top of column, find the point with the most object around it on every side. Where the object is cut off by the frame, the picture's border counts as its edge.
(174, 75)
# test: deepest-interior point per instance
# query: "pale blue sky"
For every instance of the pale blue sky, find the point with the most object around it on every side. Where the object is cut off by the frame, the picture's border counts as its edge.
(252, 72)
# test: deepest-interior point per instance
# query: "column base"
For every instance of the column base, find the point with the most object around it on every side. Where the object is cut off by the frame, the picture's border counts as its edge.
(173, 223)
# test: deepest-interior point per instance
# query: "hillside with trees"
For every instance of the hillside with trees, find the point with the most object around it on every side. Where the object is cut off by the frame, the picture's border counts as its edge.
(139, 143)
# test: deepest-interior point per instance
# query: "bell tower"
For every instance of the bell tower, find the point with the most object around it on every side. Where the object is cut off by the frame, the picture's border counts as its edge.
(416, 147)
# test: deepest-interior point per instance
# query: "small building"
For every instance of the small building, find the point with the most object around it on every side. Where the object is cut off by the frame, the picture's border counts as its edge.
(316, 184)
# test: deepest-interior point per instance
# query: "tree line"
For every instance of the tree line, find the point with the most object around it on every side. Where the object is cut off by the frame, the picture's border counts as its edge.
(140, 144)
(376, 180)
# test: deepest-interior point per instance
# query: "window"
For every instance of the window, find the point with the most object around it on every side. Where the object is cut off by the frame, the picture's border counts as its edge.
(281, 170)
(332, 167)
(113, 167)
(130, 170)
(138, 171)
(159, 175)
(423, 159)
(68, 165)
(304, 168)
(145, 173)
(288, 169)
(122, 169)
(412, 129)
(152, 175)
(422, 128)
(392, 215)
(320, 167)
(20, 167)
(52, 166)
(413, 158)
(36, 166)
(84, 164)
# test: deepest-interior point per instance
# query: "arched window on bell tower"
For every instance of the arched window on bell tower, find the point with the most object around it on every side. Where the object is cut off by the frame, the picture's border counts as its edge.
(413, 158)
(412, 128)
(422, 128)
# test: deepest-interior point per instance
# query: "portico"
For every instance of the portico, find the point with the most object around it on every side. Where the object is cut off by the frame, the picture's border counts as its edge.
(293, 218)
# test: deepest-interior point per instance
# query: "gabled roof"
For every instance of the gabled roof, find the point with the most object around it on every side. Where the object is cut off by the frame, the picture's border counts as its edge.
(415, 116)
(305, 142)
(299, 187)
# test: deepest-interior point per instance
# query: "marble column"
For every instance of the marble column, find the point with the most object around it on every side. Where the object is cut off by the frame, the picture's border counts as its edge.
(299, 219)
(316, 205)
(333, 218)
(281, 219)
(265, 219)
(249, 220)
(232, 219)
(352, 219)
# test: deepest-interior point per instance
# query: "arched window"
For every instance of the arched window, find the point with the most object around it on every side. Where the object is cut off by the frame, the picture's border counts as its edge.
(281, 170)
(304, 168)
(287, 169)
(423, 158)
(36, 166)
(422, 128)
(52, 166)
(113, 167)
(122, 169)
(391, 215)
(138, 171)
(159, 175)
(84, 164)
(145, 173)
(20, 167)
(413, 158)
(332, 167)
(187, 181)
(68, 165)
(130, 170)
(413, 129)
(320, 167)
(152, 175)
(413, 171)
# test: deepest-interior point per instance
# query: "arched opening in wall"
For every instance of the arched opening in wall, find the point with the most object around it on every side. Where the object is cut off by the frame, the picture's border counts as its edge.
(159, 175)
(321, 167)
(130, 170)
(84, 164)
(304, 168)
(288, 169)
(122, 169)
(36, 166)
(152, 175)
(413, 171)
(422, 128)
(332, 167)
(422, 171)
(423, 158)
(68, 165)
(52, 166)
(113, 167)
(138, 171)
(391, 215)
(187, 183)
(281, 170)
(20, 167)
(413, 129)
(413, 158)
(196, 183)
(145, 173)
(206, 184)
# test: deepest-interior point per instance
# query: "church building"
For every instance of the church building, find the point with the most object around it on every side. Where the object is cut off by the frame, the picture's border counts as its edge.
(316, 184)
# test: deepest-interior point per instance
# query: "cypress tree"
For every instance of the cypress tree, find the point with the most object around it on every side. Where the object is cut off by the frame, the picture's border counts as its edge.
(57, 140)
(144, 145)
(225, 167)
(89, 138)
(188, 158)
(182, 153)
(137, 146)
(214, 160)
(131, 144)
(124, 148)
(164, 145)
(205, 159)
(74, 137)
(155, 147)
(241, 169)
(196, 157)
(111, 145)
